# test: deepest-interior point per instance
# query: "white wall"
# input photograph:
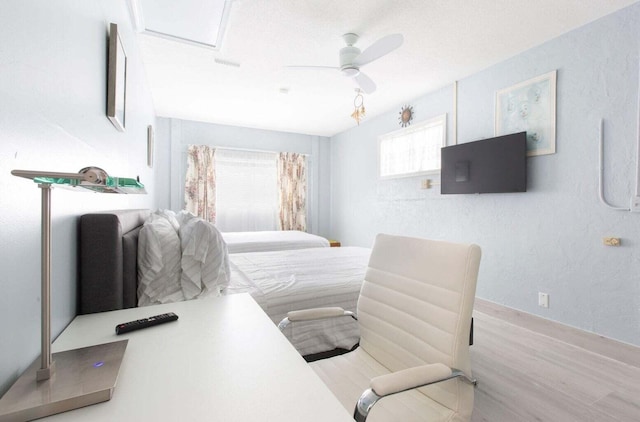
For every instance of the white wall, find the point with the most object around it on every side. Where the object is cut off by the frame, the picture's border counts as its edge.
(53, 72)
(548, 239)
(179, 134)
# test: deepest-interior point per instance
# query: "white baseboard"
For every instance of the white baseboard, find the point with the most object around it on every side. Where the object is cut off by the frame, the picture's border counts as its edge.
(613, 349)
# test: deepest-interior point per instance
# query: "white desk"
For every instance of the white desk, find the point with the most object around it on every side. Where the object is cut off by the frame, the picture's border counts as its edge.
(223, 360)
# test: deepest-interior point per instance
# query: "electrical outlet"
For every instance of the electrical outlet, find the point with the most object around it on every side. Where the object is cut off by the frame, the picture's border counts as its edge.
(635, 204)
(543, 300)
(426, 184)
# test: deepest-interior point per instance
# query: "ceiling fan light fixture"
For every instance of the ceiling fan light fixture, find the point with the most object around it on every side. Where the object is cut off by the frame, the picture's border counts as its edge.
(350, 72)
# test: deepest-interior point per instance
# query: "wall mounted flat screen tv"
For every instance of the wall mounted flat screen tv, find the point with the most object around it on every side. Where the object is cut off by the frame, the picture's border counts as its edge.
(495, 165)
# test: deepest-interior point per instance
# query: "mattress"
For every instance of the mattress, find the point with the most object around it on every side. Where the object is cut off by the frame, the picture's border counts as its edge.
(238, 242)
(283, 281)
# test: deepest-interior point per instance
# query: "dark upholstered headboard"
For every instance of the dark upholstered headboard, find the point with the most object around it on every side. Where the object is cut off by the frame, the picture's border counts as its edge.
(107, 259)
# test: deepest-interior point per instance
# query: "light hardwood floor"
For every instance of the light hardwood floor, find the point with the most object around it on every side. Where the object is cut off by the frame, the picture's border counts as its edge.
(524, 375)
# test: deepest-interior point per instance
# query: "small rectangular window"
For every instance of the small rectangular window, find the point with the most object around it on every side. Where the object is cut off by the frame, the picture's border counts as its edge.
(413, 150)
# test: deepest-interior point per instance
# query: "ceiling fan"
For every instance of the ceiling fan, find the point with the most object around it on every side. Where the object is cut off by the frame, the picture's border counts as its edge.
(352, 59)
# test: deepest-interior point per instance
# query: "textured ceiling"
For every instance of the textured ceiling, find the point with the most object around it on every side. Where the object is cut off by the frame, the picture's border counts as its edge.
(444, 41)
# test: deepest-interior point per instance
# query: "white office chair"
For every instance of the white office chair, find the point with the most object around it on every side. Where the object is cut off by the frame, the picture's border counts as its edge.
(414, 314)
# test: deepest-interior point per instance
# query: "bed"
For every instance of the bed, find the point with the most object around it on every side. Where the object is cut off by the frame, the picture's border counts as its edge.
(279, 281)
(272, 241)
(283, 281)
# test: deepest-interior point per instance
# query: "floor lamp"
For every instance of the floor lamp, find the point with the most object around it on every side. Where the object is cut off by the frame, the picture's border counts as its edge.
(74, 378)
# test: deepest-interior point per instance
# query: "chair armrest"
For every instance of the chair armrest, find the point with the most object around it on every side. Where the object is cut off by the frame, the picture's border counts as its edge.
(404, 380)
(313, 314)
(410, 378)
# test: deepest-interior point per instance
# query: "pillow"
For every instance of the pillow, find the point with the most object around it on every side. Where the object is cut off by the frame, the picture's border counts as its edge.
(170, 216)
(183, 216)
(205, 259)
(159, 255)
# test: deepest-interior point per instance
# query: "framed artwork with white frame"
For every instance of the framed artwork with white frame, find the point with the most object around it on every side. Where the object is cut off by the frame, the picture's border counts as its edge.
(529, 106)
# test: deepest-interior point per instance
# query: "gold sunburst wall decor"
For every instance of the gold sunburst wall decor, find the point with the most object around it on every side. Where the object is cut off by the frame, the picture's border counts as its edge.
(405, 116)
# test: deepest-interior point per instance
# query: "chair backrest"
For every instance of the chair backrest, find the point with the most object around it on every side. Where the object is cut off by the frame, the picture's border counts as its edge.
(415, 308)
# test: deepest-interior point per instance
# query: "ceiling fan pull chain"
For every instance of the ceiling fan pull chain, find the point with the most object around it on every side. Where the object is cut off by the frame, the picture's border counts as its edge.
(359, 111)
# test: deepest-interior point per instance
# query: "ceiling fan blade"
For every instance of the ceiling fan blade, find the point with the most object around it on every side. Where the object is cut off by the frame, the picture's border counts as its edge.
(384, 45)
(365, 83)
(333, 68)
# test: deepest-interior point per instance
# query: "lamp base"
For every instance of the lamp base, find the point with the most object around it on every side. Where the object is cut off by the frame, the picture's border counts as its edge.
(82, 377)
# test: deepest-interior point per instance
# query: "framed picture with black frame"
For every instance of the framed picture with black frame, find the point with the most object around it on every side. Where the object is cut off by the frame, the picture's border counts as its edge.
(150, 137)
(116, 80)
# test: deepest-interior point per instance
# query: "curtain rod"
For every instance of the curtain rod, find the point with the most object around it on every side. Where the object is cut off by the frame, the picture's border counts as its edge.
(248, 149)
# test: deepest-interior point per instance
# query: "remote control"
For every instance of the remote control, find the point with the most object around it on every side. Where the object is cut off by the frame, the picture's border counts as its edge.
(146, 322)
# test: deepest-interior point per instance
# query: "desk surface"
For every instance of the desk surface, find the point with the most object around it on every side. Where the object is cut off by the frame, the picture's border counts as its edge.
(223, 360)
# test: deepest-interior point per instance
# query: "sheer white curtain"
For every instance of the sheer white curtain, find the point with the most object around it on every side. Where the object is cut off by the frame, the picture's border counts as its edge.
(246, 190)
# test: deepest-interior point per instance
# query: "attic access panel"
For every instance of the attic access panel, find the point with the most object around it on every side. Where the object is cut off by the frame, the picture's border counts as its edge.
(199, 22)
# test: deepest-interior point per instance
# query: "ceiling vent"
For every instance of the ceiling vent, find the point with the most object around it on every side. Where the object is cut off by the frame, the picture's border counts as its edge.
(226, 62)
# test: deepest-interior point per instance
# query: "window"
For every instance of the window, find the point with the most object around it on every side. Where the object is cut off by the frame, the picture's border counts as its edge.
(246, 190)
(412, 151)
(241, 190)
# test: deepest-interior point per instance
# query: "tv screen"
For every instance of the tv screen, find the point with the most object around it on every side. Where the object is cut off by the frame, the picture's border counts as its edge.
(495, 165)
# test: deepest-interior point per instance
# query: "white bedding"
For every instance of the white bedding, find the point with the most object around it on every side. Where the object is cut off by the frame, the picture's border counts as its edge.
(260, 241)
(283, 281)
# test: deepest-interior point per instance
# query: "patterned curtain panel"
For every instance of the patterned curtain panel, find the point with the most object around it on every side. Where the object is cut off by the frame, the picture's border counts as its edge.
(292, 184)
(200, 183)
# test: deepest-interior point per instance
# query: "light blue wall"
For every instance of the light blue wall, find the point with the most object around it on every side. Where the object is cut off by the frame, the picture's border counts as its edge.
(548, 239)
(52, 117)
(179, 134)
(53, 73)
